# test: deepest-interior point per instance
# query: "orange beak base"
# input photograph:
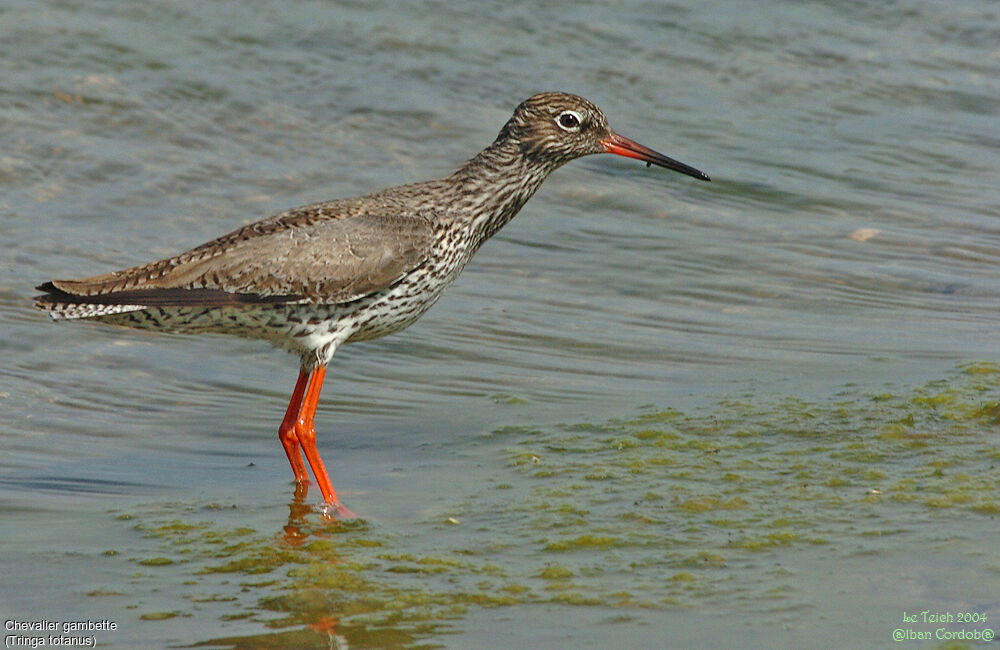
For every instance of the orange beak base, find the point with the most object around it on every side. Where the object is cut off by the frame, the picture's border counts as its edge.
(622, 146)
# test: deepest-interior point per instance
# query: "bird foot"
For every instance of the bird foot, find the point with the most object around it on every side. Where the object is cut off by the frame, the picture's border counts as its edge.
(337, 510)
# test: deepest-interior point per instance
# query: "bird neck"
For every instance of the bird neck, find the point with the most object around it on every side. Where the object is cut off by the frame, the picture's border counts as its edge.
(492, 187)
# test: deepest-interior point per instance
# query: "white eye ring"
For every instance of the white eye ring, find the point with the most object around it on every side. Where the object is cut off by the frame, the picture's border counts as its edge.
(569, 121)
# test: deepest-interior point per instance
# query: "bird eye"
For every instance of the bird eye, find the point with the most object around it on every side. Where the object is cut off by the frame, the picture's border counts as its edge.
(569, 120)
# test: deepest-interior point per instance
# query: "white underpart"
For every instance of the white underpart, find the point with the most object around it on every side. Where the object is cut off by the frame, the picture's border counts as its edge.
(73, 311)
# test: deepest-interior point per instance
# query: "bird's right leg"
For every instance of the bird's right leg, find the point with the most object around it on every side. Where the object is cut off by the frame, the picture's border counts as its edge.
(305, 433)
(286, 432)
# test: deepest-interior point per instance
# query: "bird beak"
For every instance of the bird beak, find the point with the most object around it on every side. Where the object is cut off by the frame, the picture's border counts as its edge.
(622, 146)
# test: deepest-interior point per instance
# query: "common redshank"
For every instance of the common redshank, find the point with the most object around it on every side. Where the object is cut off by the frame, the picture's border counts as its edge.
(310, 279)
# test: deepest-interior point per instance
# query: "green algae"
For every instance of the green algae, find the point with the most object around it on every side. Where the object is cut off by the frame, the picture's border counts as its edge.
(158, 616)
(98, 593)
(583, 541)
(661, 510)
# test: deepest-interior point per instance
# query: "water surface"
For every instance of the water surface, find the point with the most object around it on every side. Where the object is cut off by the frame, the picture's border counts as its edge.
(796, 359)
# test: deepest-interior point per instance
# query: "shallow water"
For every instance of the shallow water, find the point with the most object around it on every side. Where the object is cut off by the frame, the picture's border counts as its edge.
(716, 379)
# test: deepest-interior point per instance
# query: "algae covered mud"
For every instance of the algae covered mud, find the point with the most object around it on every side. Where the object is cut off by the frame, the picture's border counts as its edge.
(779, 517)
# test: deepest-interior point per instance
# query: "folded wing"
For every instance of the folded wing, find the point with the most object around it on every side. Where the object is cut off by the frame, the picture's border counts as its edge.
(323, 261)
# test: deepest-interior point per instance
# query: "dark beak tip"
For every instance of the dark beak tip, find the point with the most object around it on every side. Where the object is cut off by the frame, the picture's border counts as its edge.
(622, 146)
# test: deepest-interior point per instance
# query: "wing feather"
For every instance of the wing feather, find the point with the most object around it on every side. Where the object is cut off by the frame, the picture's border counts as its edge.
(282, 259)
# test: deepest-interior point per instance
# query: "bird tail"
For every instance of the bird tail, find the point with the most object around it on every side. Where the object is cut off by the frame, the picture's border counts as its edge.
(63, 305)
(69, 299)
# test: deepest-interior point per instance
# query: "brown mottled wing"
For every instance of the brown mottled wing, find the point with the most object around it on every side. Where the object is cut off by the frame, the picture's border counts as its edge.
(329, 260)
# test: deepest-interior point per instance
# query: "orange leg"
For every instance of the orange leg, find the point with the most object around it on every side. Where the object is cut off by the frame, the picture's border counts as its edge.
(286, 432)
(305, 432)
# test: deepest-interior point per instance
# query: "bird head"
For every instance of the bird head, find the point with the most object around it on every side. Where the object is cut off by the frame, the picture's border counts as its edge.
(558, 127)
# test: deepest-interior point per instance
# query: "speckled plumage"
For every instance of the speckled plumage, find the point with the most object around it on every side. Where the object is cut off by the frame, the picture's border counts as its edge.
(315, 277)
